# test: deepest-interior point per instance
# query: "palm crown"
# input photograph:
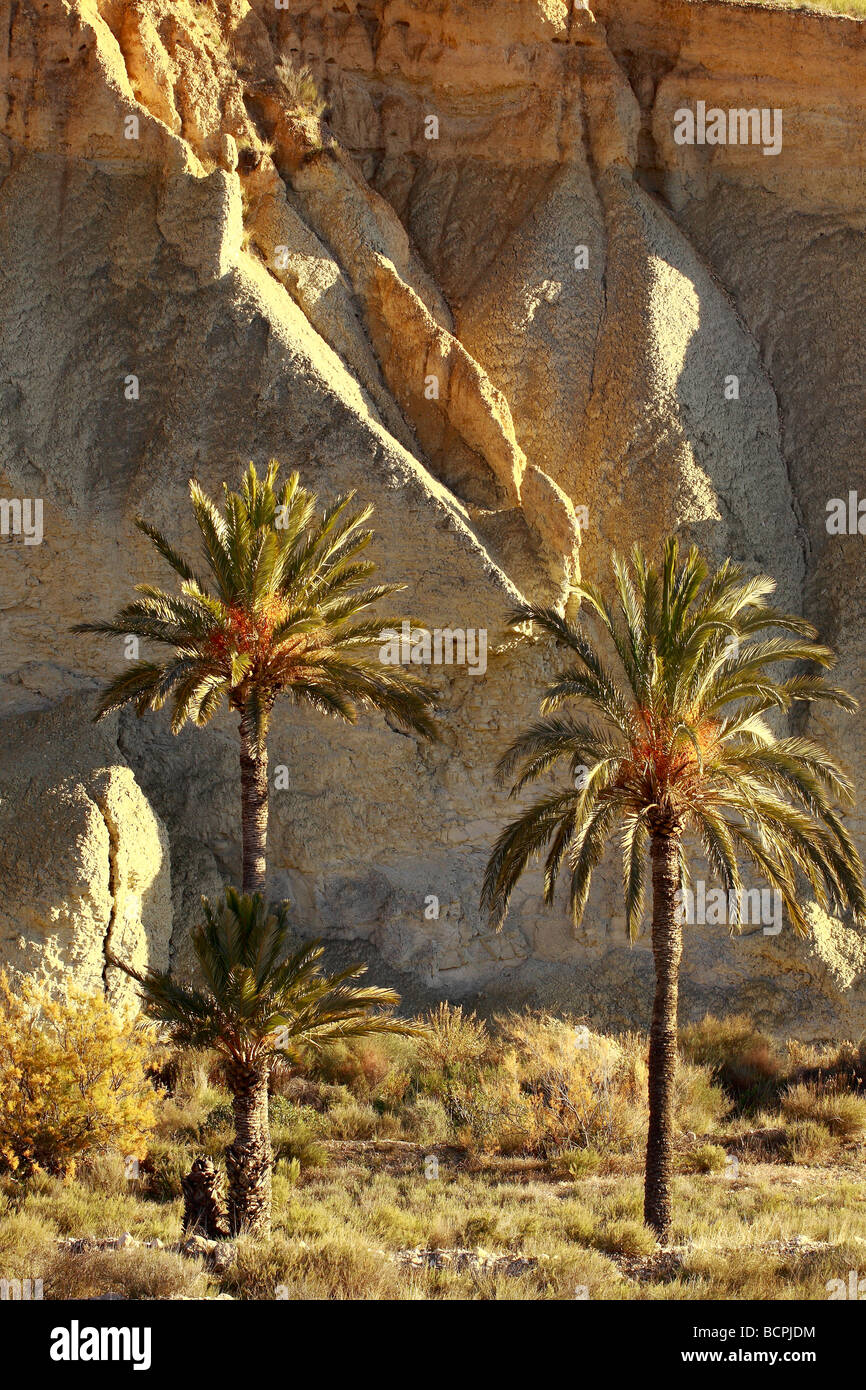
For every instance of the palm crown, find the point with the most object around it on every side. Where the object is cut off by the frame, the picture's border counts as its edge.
(673, 737)
(283, 609)
(259, 998)
(287, 612)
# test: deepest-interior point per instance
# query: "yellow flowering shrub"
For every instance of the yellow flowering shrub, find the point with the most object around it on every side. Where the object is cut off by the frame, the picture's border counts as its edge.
(72, 1079)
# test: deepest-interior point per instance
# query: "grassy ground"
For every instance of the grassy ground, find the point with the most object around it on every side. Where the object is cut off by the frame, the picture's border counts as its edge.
(854, 9)
(850, 9)
(356, 1227)
(485, 1165)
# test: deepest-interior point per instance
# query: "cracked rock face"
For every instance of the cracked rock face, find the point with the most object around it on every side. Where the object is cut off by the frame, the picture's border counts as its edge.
(490, 292)
(84, 858)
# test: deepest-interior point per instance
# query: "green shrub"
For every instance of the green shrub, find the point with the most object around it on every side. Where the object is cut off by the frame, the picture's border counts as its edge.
(455, 1042)
(700, 1104)
(219, 1119)
(840, 1112)
(285, 1113)
(488, 1114)
(577, 1163)
(741, 1058)
(625, 1238)
(706, 1158)
(300, 1138)
(353, 1119)
(160, 1173)
(807, 1141)
(426, 1119)
(290, 1169)
(360, 1064)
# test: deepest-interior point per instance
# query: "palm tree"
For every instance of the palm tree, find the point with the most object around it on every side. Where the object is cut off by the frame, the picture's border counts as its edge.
(672, 738)
(286, 613)
(260, 1001)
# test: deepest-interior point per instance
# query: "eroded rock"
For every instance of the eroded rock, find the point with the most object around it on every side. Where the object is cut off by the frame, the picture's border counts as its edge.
(582, 288)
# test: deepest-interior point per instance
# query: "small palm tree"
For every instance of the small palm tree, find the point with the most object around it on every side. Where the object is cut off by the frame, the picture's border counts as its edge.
(260, 1001)
(286, 613)
(672, 739)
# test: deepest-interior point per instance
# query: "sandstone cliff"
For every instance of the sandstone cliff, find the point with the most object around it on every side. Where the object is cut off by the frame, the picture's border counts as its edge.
(485, 286)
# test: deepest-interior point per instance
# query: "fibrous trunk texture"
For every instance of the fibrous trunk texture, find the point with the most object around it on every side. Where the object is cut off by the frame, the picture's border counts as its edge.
(249, 1157)
(254, 807)
(204, 1202)
(667, 943)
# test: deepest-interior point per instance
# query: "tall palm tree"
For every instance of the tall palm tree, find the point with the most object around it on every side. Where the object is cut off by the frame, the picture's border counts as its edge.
(259, 1001)
(671, 738)
(286, 612)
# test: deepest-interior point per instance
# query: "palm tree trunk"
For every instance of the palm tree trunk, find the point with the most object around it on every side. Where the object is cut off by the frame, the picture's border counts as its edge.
(249, 1158)
(254, 807)
(667, 941)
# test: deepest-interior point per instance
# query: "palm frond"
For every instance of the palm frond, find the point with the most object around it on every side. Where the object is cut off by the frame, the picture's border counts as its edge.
(262, 996)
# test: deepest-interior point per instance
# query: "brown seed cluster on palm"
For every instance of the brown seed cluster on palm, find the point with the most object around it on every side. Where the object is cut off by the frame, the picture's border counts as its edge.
(665, 734)
(282, 608)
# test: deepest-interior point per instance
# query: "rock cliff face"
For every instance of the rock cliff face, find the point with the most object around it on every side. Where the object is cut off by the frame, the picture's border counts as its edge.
(486, 287)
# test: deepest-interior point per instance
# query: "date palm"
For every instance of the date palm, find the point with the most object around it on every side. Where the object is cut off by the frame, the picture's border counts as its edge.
(668, 736)
(282, 609)
(260, 1000)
